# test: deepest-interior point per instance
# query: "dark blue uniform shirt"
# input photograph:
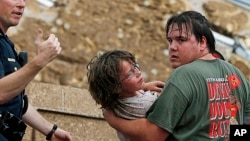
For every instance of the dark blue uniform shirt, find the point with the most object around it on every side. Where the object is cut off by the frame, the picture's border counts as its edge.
(8, 64)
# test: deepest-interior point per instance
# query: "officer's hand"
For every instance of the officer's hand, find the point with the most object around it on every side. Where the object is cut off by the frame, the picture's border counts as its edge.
(47, 49)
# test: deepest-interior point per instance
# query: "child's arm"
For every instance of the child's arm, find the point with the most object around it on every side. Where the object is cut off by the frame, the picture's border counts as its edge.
(154, 86)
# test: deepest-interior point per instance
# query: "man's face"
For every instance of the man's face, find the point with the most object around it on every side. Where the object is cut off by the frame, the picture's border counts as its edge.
(10, 13)
(183, 46)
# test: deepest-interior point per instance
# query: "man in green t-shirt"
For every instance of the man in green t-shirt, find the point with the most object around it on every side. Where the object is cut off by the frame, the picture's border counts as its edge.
(202, 97)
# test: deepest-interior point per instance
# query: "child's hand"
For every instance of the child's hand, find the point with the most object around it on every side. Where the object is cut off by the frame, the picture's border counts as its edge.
(154, 86)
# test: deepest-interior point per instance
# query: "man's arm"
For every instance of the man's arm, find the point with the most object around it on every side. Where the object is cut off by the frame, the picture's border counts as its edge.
(138, 130)
(12, 84)
(36, 121)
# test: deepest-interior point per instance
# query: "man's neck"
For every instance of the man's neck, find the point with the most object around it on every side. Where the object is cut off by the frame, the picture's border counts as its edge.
(3, 29)
(207, 56)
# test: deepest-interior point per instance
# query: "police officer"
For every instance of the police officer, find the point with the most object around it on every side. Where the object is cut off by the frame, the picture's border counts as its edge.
(15, 112)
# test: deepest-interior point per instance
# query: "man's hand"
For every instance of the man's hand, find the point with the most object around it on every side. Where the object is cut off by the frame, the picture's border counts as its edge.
(108, 115)
(61, 135)
(46, 50)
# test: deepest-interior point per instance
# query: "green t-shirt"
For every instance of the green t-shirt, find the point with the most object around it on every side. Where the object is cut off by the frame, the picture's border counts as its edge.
(195, 106)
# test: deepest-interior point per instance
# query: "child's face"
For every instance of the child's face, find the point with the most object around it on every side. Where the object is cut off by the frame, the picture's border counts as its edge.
(131, 78)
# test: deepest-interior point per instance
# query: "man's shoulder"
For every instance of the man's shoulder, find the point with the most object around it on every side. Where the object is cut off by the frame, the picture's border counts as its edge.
(194, 67)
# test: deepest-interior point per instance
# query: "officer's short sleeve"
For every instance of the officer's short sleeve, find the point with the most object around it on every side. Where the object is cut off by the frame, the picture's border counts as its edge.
(1, 69)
